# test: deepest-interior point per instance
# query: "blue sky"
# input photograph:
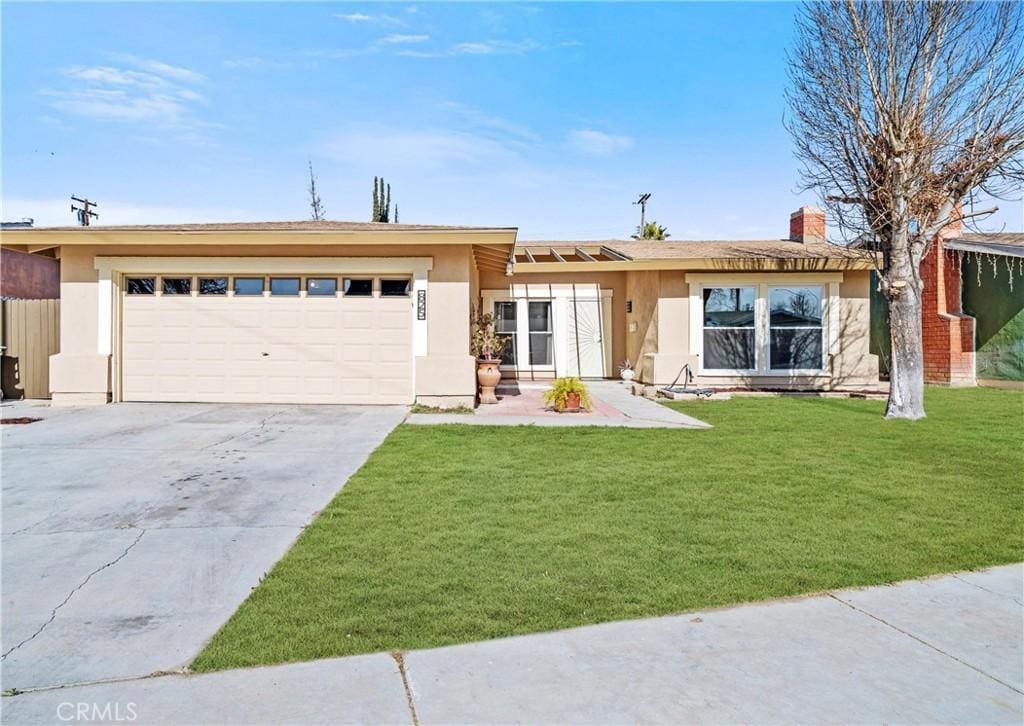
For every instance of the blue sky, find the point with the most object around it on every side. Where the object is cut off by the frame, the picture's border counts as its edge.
(549, 117)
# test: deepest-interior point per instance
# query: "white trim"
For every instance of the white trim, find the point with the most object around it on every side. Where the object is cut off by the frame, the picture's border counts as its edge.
(827, 282)
(418, 267)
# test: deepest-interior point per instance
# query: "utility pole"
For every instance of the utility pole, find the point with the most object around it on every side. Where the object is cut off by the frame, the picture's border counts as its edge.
(642, 201)
(85, 211)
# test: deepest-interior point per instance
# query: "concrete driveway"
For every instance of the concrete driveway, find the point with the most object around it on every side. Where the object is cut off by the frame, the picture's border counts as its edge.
(132, 532)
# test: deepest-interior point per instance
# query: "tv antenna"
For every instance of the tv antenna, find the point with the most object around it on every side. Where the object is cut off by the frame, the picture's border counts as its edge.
(642, 201)
(84, 212)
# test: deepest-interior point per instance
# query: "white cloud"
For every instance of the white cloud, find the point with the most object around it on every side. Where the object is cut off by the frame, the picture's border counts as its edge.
(398, 38)
(597, 143)
(162, 95)
(406, 148)
(254, 61)
(159, 68)
(489, 47)
(369, 19)
(475, 117)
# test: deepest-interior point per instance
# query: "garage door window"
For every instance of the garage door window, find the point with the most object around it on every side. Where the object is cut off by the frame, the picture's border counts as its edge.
(177, 285)
(140, 285)
(284, 286)
(248, 286)
(213, 286)
(321, 286)
(394, 288)
(358, 287)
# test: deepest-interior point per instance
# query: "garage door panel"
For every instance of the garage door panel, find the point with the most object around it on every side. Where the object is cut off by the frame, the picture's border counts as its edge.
(319, 350)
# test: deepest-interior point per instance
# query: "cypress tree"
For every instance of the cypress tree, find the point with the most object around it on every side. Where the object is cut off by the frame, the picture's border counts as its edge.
(376, 203)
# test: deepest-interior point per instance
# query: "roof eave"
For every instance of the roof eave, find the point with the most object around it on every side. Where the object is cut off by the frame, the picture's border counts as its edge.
(127, 236)
(725, 264)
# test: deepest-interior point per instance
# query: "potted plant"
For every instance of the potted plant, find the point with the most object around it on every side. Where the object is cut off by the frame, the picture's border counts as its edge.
(568, 395)
(626, 371)
(487, 346)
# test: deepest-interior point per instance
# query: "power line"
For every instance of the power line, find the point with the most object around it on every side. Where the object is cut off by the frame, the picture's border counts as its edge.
(84, 212)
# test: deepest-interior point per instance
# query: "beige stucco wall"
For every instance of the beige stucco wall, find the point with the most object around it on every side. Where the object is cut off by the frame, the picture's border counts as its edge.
(661, 343)
(79, 375)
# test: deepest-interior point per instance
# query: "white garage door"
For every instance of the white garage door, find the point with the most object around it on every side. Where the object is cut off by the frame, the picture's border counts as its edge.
(195, 338)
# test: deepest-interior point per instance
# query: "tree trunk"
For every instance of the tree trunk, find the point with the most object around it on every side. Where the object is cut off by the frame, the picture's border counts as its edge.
(906, 372)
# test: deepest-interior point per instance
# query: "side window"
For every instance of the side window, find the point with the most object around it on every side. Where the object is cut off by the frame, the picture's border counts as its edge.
(248, 286)
(140, 285)
(177, 285)
(358, 286)
(213, 286)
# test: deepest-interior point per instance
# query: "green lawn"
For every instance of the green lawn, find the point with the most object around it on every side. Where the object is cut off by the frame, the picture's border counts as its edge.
(458, 533)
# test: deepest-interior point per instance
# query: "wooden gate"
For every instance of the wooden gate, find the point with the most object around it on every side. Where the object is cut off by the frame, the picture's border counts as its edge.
(30, 334)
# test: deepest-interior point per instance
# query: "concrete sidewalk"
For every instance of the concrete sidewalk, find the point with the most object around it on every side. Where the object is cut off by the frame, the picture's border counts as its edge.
(940, 650)
(614, 406)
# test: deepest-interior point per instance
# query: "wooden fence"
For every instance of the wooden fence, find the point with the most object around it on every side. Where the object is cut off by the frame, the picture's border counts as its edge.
(30, 334)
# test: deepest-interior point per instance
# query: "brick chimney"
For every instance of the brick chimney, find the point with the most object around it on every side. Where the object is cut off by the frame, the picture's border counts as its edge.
(807, 224)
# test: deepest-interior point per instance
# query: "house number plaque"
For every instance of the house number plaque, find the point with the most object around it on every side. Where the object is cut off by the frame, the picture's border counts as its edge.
(421, 304)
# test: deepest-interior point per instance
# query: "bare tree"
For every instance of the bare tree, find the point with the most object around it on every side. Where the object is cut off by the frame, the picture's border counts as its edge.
(901, 113)
(317, 211)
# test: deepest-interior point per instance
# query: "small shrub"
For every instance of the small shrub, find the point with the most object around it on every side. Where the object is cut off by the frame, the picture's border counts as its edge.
(559, 392)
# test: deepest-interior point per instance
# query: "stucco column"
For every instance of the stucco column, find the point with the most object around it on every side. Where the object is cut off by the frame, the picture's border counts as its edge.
(80, 372)
(446, 374)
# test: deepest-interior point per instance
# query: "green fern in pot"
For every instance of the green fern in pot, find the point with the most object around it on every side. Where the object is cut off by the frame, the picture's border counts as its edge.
(568, 395)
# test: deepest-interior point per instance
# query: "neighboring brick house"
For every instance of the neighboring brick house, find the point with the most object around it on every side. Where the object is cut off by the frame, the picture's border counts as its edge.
(972, 316)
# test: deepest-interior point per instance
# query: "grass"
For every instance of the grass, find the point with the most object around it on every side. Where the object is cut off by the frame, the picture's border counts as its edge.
(420, 408)
(459, 533)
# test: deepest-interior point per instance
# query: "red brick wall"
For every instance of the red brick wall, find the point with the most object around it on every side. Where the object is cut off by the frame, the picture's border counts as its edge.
(948, 333)
(29, 277)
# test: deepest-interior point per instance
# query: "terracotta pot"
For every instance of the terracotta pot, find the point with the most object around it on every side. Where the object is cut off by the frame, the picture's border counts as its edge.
(488, 376)
(572, 403)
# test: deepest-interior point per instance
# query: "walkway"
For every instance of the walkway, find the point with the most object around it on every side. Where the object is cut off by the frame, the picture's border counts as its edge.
(941, 650)
(613, 405)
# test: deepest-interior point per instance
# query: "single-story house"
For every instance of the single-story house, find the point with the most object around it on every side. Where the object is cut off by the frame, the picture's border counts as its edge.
(345, 312)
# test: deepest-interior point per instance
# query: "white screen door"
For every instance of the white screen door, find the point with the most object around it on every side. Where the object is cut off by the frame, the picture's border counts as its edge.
(585, 341)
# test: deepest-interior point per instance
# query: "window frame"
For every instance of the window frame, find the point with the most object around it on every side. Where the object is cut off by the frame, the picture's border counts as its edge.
(823, 328)
(373, 286)
(319, 278)
(236, 278)
(187, 278)
(756, 328)
(406, 280)
(199, 285)
(269, 288)
(152, 278)
(828, 282)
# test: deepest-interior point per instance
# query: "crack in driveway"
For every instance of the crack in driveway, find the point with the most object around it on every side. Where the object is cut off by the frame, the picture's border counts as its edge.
(53, 613)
